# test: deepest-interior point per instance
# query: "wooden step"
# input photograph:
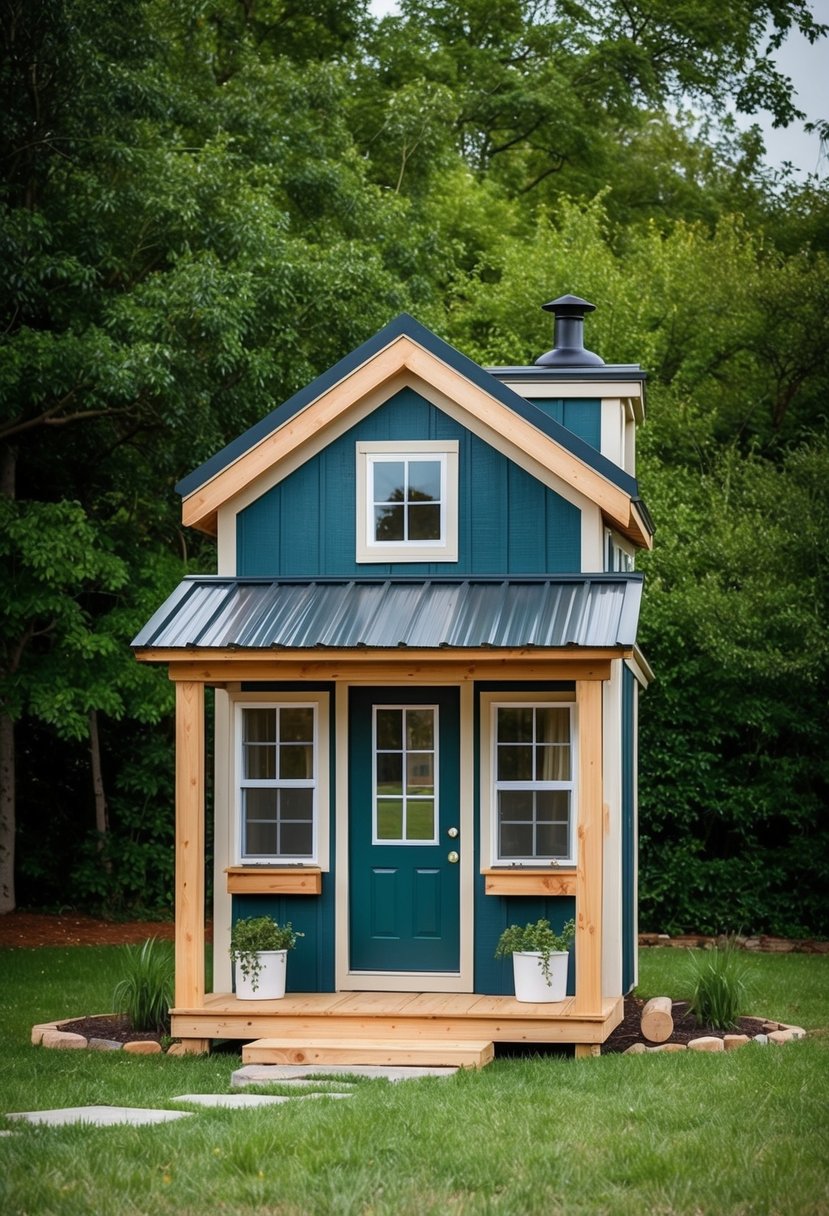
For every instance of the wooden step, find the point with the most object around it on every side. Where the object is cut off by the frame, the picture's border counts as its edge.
(472, 1053)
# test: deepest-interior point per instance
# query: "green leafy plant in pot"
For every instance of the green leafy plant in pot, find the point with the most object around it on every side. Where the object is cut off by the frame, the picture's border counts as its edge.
(258, 948)
(539, 959)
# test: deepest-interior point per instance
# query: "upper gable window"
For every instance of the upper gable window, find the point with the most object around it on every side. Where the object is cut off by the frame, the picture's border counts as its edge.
(407, 501)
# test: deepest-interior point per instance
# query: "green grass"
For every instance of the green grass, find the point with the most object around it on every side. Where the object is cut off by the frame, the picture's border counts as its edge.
(739, 1135)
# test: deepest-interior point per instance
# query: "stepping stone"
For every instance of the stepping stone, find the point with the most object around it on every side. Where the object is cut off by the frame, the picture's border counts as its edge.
(99, 1116)
(280, 1074)
(237, 1101)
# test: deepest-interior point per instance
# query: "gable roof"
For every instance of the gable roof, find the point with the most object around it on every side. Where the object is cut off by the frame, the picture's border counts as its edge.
(405, 347)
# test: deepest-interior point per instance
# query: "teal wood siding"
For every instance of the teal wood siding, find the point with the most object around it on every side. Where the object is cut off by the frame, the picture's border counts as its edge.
(509, 523)
(582, 416)
(493, 913)
(629, 944)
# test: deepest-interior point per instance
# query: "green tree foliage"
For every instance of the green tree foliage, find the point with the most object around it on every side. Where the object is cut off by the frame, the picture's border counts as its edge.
(204, 203)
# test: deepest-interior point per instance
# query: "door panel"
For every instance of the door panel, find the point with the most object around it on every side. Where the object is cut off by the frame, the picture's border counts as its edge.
(403, 798)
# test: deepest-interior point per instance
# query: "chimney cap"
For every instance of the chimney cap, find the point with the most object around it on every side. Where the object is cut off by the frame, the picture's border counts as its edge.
(569, 306)
(569, 349)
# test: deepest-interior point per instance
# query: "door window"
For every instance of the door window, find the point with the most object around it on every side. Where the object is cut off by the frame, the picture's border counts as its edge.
(405, 774)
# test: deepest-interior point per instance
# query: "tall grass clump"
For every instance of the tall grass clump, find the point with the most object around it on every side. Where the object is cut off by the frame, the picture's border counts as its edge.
(720, 986)
(145, 991)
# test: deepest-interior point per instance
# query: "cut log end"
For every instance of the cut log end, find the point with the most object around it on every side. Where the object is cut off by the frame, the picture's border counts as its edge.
(657, 1021)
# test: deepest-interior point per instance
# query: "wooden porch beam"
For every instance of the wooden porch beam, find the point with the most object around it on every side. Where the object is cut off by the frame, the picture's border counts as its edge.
(589, 876)
(189, 950)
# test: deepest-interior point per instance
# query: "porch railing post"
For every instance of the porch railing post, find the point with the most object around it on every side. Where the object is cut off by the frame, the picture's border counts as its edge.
(589, 876)
(190, 782)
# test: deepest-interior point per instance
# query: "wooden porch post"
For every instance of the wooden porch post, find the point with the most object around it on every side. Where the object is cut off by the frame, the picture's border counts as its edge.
(589, 877)
(189, 988)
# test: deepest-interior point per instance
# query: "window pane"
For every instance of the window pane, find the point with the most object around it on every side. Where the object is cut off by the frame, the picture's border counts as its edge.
(551, 840)
(390, 773)
(424, 481)
(296, 762)
(515, 763)
(388, 480)
(296, 804)
(260, 840)
(259, 761)
(420, 819)
(420, 772)
(515, 725)
(296, 840)
(296, 725)
(420, 729)
(390, 729)
(516, 840)
(389, 818)
(515, 805)
(552, 725)
(259, 725)
(424, 522)
(259, 810)
(553, 806)
(388, 523)
(552, 764)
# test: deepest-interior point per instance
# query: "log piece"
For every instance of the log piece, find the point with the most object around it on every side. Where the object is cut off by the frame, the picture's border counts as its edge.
(657, 1019)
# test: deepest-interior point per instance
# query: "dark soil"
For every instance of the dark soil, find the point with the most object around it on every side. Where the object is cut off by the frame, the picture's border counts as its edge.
(686, 1027)
(29, 929)
(117, 1028)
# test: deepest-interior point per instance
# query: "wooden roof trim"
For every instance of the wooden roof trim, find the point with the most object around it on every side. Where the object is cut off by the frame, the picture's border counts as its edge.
(199, 509)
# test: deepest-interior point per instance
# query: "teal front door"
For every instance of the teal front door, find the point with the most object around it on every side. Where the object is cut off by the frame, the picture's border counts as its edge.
(404, 890)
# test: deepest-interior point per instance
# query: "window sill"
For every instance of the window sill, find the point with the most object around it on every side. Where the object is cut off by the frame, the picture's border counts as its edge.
(518, 881)
(274, 880)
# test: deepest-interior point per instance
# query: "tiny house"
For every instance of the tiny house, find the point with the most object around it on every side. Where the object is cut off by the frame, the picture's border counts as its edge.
(421, 642)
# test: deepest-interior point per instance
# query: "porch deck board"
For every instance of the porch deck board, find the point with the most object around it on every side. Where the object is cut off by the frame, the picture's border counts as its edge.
(367, 1015)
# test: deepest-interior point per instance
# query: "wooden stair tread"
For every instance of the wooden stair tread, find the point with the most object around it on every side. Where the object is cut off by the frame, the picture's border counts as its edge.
(469, 1053)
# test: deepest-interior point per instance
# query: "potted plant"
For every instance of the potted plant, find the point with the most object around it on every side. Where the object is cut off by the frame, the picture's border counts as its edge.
(539, 959)
(259, 948)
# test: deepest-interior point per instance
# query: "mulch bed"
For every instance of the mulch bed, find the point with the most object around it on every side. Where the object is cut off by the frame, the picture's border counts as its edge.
(686, 1027)
(31, 929)
(117, 1028)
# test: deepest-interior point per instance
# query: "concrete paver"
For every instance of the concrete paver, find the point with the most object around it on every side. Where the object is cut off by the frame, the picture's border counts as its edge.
(272, 1074)
(237, 1101)
(99, 1116)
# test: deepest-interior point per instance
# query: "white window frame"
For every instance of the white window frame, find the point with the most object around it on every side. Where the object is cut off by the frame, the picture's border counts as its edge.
(376, 839)
(619, 556)
(490, 704)
(319, 783)
(446, 549)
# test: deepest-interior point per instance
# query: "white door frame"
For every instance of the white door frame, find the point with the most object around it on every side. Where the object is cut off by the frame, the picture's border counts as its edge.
(407, 981)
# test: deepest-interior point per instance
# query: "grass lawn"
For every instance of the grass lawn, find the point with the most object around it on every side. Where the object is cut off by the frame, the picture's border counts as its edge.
(702, 1135)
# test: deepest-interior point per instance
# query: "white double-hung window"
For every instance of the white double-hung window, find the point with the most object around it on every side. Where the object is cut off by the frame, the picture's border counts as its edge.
(407, 501)
(529, 757)
(280, 787)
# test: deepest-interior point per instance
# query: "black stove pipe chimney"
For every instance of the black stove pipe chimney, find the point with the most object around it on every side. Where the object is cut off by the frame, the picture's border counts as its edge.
(568, 335)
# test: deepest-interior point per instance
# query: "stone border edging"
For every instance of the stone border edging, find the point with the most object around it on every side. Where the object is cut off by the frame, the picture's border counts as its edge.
(778, 1033)
(50, 1034)
(761, 944)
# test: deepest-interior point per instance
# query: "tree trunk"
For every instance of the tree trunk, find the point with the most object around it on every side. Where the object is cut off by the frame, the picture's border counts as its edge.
(7, 790)
(7, 825)
(101, 810)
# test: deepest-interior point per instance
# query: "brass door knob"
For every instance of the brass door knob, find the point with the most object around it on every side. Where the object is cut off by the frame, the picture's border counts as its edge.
(453, 857)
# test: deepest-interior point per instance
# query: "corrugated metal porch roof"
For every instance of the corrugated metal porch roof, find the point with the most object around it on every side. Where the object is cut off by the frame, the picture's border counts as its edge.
(600, 610)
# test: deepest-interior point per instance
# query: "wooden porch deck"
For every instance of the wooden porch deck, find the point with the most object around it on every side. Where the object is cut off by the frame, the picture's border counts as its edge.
(388, 1015)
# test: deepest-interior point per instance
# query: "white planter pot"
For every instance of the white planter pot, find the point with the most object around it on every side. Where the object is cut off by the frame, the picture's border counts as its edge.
(530, 983)
(270, 982)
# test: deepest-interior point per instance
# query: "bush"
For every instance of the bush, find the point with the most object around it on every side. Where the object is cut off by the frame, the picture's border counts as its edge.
(720, 986)
(145, 991)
